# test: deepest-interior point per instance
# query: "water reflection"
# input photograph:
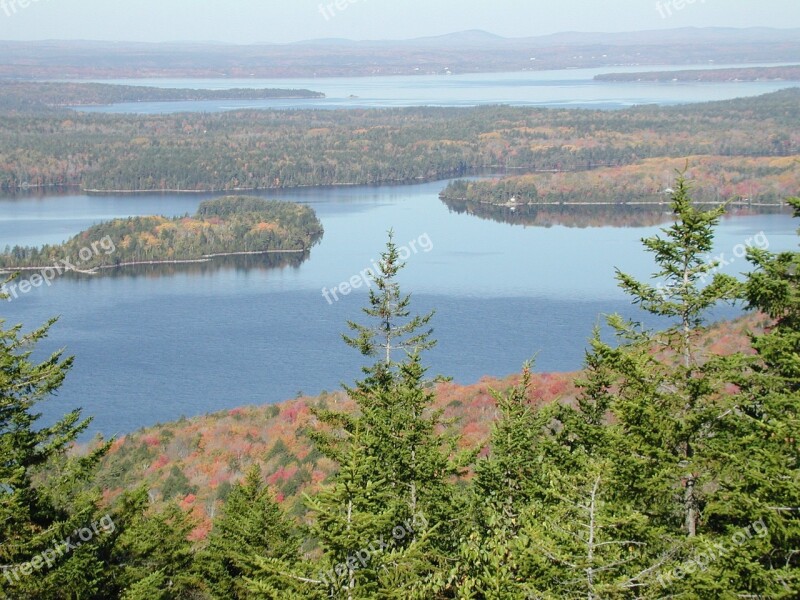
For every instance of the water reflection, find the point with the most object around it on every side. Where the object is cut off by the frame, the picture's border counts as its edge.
(582, 216)
(237, 263)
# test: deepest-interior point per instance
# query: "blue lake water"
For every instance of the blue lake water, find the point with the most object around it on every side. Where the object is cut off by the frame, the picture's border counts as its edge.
(155, 344)
(573, 88)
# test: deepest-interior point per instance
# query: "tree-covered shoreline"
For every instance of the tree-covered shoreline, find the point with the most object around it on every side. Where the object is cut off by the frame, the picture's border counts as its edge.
(284, 149)
(751, 182)
(227, 226)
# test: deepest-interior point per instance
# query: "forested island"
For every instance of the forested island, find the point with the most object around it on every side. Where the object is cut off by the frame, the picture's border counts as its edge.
(786, 73)
(274, 149)
(225, 226)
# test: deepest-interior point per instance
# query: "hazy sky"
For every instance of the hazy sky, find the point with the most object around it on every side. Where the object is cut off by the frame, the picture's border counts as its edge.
(248, 21)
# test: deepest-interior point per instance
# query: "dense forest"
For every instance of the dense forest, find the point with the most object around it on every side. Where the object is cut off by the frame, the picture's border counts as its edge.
(667, 468)
(273, 149)
(223, 226)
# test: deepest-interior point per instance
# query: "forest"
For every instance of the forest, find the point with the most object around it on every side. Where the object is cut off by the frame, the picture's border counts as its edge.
(223, 226)
(242, 150)
(667, 468)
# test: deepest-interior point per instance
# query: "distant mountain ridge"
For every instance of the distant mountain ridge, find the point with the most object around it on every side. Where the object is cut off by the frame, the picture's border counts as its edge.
(480, 36)
(472, 51)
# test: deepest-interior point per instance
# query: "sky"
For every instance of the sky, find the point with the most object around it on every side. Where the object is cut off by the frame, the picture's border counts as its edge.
(282, 21)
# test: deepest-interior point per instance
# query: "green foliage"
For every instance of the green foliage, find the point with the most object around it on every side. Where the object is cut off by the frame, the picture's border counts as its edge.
(674, 473)
(177, 484)
(155, 555)
(276, 149)
(251, 527)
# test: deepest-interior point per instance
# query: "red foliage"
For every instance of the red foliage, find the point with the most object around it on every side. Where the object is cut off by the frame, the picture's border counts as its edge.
(151, 440)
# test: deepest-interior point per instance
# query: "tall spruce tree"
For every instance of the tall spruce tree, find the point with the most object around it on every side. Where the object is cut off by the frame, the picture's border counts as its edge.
(393, 461)
(668, 398)
(668, 410)
(394, 402)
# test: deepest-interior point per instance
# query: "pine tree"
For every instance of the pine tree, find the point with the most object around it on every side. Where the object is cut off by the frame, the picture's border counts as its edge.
(395, 329)
(505, 484)
(668, 402)
(587, 541)
(156, 557)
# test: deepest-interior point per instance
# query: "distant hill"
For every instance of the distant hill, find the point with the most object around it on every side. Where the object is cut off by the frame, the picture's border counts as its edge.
(461, 52)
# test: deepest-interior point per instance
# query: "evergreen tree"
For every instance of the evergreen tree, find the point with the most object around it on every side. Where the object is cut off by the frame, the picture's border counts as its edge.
(667, 402)
(251, 525)
(505, 483)
(156, 556)
(394, 436)
(669, 396)
(756, 508)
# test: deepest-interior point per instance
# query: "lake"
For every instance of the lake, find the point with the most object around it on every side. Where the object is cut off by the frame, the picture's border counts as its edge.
(571, 88)
(153, 344)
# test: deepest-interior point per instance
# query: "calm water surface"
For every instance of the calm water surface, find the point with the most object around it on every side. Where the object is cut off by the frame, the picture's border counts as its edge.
(155, 344)
(574, 88)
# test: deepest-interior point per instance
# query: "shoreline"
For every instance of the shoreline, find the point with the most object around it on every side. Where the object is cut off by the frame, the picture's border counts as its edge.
(659, 204)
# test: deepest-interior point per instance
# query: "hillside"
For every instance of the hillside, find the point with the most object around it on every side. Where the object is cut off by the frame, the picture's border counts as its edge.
(742, 181)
